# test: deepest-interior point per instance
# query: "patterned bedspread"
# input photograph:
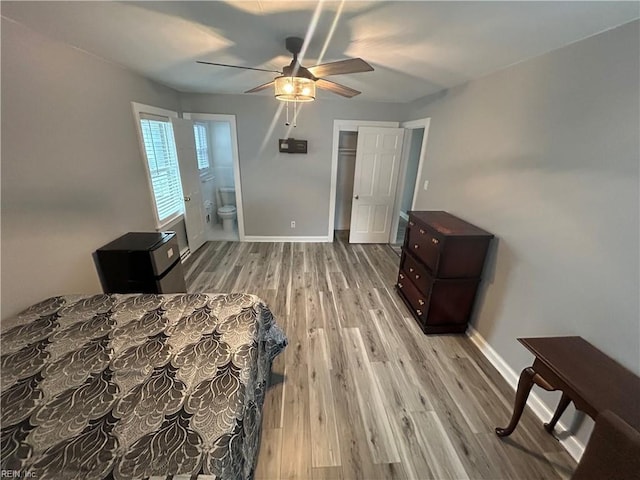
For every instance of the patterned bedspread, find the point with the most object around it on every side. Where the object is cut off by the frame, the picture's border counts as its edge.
(135, 386)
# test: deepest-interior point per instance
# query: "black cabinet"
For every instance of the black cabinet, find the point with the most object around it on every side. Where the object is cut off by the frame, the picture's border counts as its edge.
(440, 268)
(141, 262)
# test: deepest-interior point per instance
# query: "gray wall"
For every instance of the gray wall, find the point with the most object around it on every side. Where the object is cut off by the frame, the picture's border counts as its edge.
(278, 187)
(545, 155)
(72, 174)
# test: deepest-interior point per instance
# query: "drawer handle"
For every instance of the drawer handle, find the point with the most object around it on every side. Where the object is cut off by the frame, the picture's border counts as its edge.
(422, 231)
(402, 276)
(416, 246)
(411, 224)
(435, 241)
(419, 312)
(417, 276)
(410, 269)
(399, 285)
(420, 301)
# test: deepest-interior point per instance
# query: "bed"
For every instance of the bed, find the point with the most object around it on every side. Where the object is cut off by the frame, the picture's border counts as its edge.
(136, 386)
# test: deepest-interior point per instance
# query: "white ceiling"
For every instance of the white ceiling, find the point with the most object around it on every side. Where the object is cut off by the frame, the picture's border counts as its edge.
(417, 48)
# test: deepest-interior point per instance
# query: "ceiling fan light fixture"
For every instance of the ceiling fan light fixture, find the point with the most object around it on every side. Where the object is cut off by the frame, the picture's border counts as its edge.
(295, 89)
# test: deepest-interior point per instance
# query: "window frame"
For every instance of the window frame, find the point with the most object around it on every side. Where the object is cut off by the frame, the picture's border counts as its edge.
(139, 108)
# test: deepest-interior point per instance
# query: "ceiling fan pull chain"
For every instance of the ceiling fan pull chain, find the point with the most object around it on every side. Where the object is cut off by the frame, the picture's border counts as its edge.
(287, 108)
(295, 113)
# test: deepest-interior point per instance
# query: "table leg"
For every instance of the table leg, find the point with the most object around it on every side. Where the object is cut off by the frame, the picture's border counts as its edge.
(524, 387)
(562, 406)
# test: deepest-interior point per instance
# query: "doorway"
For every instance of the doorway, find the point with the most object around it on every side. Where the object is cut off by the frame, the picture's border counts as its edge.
(219, 169)
(345, 138)
(344, 185)
(414, 149)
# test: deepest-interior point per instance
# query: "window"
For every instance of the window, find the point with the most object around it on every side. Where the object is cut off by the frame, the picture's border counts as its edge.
(202, 146)
(162, 165)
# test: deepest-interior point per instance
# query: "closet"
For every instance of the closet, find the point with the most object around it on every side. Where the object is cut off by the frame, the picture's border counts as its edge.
(344, 181)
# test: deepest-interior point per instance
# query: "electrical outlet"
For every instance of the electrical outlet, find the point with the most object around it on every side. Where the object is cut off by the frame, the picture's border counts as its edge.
(293, 224)
(426, 184)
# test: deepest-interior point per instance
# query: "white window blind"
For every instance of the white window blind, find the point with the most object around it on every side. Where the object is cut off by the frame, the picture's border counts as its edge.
(202, 146)
(160, 149)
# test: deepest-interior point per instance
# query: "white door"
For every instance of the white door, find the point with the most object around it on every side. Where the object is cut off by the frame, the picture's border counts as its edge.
(374, 183)
(193, 206)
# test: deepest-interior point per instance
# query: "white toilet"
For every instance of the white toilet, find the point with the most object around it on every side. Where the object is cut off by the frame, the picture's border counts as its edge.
(227, 212)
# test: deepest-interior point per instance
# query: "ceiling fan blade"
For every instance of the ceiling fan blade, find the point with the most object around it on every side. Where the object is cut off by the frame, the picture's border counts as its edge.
(336, 88)
(260, 87)
(351, 65)
(238, 66)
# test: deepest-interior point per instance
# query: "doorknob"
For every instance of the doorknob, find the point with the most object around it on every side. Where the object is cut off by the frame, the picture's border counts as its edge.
(187, 199)
(357, 197)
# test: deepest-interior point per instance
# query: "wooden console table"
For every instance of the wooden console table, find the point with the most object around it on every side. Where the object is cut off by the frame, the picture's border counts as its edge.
(587, 377)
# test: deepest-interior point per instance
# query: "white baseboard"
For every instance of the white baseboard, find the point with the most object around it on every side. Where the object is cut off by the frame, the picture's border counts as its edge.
(256, 238)
(572, 445)
(185, 253)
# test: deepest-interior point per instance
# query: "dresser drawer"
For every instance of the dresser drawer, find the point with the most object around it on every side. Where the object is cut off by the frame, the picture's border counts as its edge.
(425, 245)
(417, 273)
(418, 302)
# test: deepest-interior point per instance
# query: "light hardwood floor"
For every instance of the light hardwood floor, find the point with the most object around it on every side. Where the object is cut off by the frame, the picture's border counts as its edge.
(361, 392)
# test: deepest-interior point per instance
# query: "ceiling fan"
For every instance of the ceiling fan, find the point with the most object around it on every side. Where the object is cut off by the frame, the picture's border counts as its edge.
(298, 83)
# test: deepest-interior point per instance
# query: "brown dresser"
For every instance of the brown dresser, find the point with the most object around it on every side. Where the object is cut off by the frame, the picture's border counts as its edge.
(440, 268)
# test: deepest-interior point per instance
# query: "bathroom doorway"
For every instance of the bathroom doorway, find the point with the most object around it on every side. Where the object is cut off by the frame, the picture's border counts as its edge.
(219, 167)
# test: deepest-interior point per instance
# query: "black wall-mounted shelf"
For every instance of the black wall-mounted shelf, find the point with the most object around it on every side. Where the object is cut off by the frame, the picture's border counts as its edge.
(291, 145)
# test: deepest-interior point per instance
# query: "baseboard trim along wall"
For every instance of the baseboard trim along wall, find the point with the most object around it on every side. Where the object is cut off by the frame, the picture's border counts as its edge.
(574, 447)
(257, 238)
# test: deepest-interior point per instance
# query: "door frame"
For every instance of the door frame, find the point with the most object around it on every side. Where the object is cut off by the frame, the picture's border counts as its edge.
(236, 159)
(404, 163)
(345, 126)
